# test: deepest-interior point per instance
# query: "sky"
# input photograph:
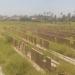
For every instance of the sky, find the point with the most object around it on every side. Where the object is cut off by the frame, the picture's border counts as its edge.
(30, 7)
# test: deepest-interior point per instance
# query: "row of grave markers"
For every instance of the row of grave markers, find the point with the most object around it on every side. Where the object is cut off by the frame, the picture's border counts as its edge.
(60, 39)
(31, 53)
(45, 42)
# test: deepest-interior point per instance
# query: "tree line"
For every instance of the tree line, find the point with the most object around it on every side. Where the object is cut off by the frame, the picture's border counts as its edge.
(46, 16)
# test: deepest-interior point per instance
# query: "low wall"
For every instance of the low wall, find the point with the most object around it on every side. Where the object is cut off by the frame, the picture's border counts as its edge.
(32, 54)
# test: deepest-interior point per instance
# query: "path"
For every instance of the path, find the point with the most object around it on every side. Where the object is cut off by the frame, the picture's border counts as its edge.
(1, 73)
(66, 58)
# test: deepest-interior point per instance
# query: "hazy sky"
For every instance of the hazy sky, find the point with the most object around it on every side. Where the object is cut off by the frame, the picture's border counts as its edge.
(11, 7)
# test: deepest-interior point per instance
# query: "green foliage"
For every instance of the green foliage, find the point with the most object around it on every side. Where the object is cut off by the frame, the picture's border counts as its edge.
(66, 68)
(13, 63)
(63, 49)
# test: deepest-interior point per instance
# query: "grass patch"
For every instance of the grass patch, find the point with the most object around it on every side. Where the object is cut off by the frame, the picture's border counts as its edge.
(12, 63)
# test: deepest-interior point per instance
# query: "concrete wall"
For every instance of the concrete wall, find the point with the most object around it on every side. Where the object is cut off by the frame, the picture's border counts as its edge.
(73, 45)
(32, 54)
(41, 60)
(44, 43)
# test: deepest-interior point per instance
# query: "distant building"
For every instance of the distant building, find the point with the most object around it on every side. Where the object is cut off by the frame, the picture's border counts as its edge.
(14, 18)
